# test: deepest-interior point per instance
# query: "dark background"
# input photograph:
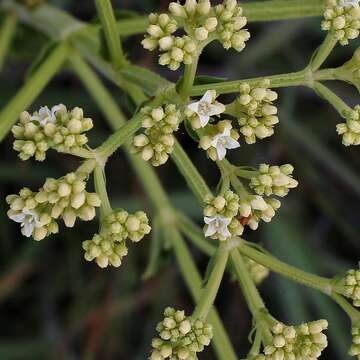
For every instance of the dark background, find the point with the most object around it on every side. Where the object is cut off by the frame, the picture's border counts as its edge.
(55, 305)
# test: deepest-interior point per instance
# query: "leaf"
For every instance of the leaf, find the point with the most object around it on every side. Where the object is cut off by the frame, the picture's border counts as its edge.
(45, 51)
(205, 79)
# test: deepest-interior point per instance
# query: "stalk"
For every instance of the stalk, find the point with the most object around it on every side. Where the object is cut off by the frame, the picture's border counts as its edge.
(7, 33)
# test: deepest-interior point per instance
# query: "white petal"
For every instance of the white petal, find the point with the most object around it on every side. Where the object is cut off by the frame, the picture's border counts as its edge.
(224, 231)
(209, 219)
(204, 120)
(258, 203)
(19, 218)
(27, 228)
(194, 107)
(207, 97)
(231, 143)
(221, 152)
(224, 220)
(216, 109)
(211, 230)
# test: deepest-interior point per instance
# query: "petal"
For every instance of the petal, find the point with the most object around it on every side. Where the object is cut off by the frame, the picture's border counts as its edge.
(211, 230)
(224, 220)
(209, 219)
(204, 120)
(216, 109)
(27, 228)
(224, 231)
(207, 97)
(194, 107)
(19, 218)
(221, 152)
(231, 143)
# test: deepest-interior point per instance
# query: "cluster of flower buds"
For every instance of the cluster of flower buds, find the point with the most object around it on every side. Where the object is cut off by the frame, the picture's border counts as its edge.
(180, 337)
(254, 208)
(64, 198)
(342, 18)
(218, 139)
(157, 142)
(200, 24)
(349, 286)
(257, 114)
(350, 130)
(55, 128)
(231, 24)
(257, 271)
(355, 347)
(109, 247)
(200, 112)
(275, 180)
(306, 341)
(220, 216)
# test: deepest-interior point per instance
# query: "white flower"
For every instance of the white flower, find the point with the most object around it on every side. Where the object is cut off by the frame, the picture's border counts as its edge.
(206, 107)
(349, 3)
(45, 115)
(217, 224)
(28, 220)
(222, 142)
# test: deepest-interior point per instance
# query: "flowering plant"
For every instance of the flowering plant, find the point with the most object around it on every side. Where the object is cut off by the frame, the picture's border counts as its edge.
(246, 196)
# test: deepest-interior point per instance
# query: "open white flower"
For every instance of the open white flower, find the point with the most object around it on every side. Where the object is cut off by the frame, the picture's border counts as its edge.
(45, 115)
(206, 107)
(217, 224)
(222, 142)
(28, 219)
(349, 3)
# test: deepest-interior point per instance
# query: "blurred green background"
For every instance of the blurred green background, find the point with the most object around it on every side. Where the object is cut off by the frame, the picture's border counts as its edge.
(55, 305)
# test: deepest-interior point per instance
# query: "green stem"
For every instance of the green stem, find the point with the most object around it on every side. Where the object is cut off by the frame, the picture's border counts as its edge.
(323, 52)
(112, 36)
(300, 78)
(7, 32)
(324, 92)
(353, 314)
(211, 289)
(282, 9)
(326, 75)
(288, 271)
(195, 181)
(158, 197)
(32, 88)
(188, 79)
(100, 188)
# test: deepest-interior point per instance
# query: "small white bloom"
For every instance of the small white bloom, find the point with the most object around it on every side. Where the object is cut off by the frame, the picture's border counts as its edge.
(217, 224)
(205, 108)
(45, 115)
(349, 3)
(28, 219)
(222, 142)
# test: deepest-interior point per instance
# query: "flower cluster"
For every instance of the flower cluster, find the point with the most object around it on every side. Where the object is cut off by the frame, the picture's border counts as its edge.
(306, 341)
(157, 142)
(254, 208)
(201, 25)
(258, 272)
(275, 180)
(220, 216)
(218, 139)
(231, 24)
(64, 198)
(257, 115)
(342, 18)
(199, 113)
(180, 337)
(355, 347)
(350, 286)
(55, 128)
(350, 130)
(109, 246)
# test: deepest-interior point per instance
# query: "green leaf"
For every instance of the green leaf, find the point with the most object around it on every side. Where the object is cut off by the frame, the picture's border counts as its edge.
(205, 79)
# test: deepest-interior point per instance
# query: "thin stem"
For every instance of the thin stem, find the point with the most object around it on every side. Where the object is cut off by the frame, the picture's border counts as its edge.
(300, 78)
(188, 79)
(288, 271)
(353, 314)
(211, 289)
(323, 52)
(7, 32)
(100, 187)
(195, 181)
(29, 92)
(324, 92)
(326, 75)
(112, 36)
